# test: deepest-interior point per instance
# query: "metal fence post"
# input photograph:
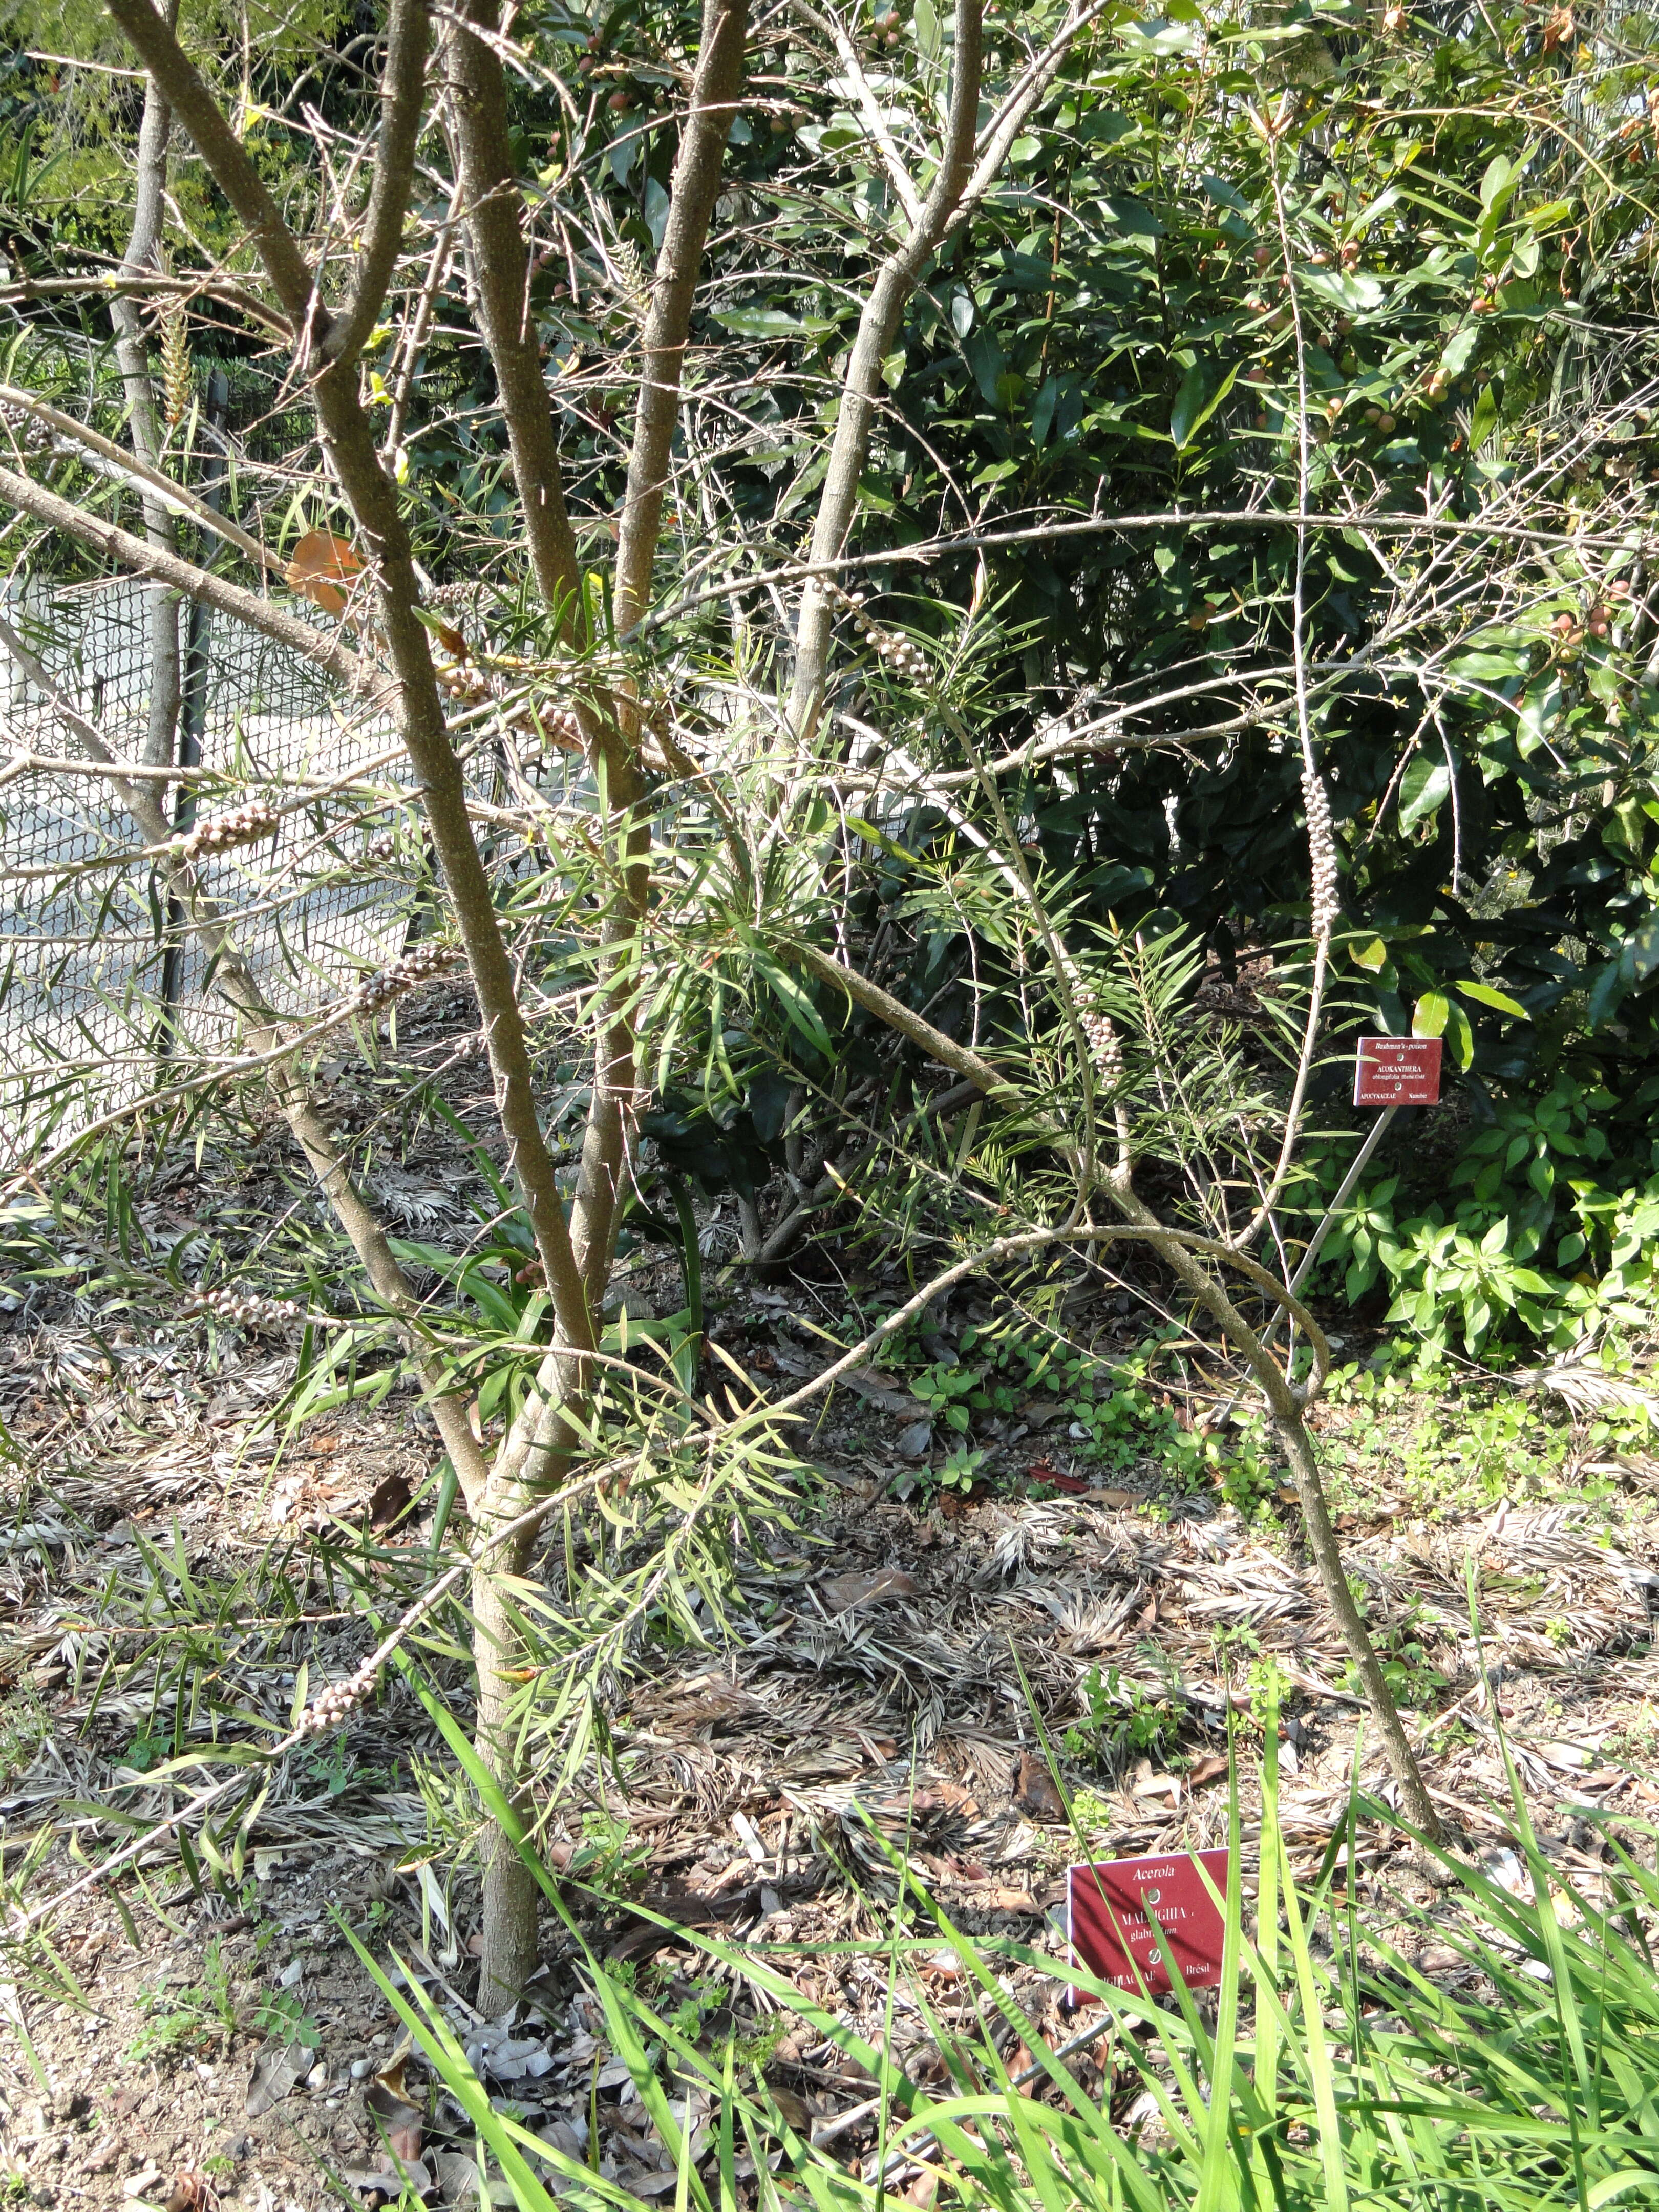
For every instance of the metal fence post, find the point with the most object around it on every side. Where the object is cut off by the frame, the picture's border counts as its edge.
(192, 714)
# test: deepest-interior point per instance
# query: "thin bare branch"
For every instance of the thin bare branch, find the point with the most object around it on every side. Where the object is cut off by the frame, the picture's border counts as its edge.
(403, 96)
(895, 281)
(148, 478)
(715, 90)
(349, 439)
(869, 106)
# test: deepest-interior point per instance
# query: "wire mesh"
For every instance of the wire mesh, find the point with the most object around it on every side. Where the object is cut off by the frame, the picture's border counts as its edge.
(97, 981)
(101, 986)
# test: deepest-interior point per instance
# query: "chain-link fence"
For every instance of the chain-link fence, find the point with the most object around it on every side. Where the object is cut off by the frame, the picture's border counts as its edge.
(98, 981)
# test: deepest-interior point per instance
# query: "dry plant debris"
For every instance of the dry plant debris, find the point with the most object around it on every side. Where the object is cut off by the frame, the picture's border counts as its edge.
(893, 1680)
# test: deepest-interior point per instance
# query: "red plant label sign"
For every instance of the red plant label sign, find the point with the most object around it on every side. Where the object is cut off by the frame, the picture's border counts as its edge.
(1111, 1913)
(1397, 1071)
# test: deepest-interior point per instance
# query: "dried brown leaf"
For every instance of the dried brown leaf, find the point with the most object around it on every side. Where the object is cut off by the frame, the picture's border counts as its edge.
(1034, 1791)
(844, 1592)
(321, 564)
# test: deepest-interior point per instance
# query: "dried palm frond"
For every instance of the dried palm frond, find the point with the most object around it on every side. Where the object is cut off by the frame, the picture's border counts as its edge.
(1580, 1381)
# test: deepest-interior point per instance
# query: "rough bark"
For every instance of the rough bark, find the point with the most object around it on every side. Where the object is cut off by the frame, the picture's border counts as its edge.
(348, 441)
(501, 268)
(232, 167)
(508, 1935)
(512, 1895)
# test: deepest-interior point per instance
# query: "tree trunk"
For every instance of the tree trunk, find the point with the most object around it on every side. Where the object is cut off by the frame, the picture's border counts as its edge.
(144, 423)
(1323, 1543)
(511, 1892)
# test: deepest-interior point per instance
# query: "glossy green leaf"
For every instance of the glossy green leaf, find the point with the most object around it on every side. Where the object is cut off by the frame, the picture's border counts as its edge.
(1422, 789)
(1487, 995)
(1199, 395)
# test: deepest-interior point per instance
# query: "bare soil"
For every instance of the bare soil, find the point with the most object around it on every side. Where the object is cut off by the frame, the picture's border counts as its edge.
(913, 1677)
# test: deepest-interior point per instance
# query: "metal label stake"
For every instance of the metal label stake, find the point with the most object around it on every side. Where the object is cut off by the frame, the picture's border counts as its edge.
(1388, 1072)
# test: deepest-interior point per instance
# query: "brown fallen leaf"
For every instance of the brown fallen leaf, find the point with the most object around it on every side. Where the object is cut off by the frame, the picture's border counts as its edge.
(951, 1796)
(1214, 1769)
(1034, 1791)
(846, 1591)
(390, 2177)
(456, 2176)
(1119, 1500)
(797, 2112)
(923, 2190)
(1045, 1472)
(276, 2072)
(1604, 1778)
(398, 2121)
(391, 2075)
(878, 1390)
(687, 1908)
(1440, 1959)
(1148, 1784)
(192, 2191)
(987, 1896)
(321, 564)
(388, 1501)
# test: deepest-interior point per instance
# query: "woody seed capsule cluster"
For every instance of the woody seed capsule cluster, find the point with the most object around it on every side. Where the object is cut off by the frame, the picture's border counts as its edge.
(1103, 1043)
(32, 435)
(425, 961)
(257, 819)
(1321, 848)
(339, 1701)
(903, 658)
(248, 1311)
(559, 724)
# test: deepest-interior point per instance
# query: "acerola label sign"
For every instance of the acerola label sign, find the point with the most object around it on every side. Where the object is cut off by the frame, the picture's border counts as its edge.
(1397, 1071)
(1114, 1912)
